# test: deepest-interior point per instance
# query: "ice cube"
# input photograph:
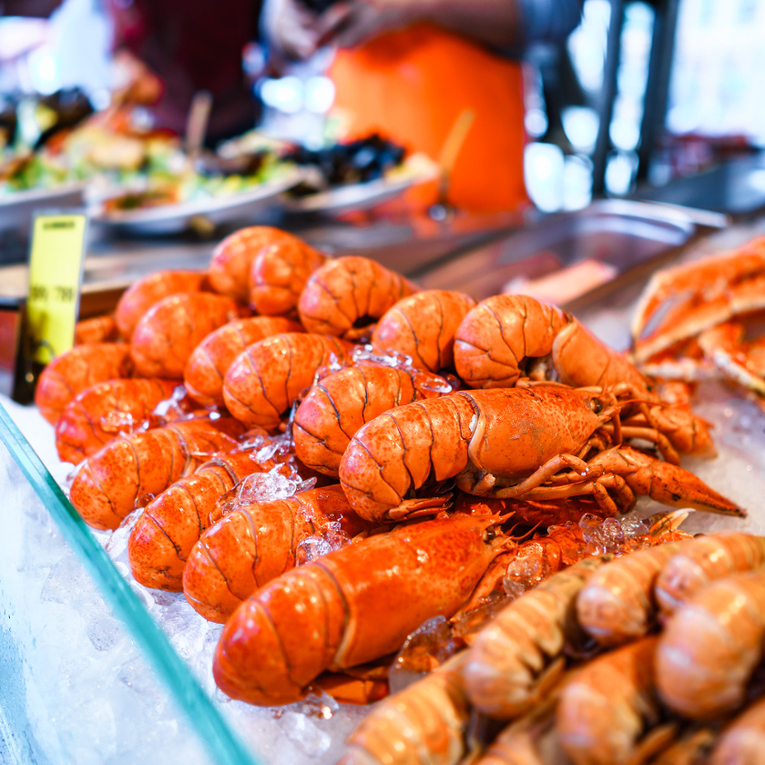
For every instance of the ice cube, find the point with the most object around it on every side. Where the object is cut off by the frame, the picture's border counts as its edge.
(423, 650)
(529, 567)
(311, 548)
(103, 631)
(64, 578)
(634, 528)
(305, 733)
(365, 354)
(318, 704)
(602, 536)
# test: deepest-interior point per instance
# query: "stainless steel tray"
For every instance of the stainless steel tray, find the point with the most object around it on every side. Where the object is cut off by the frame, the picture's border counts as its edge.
(630, 237)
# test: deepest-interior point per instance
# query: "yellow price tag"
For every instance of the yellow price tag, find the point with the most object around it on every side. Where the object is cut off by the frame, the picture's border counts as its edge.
(55, 274)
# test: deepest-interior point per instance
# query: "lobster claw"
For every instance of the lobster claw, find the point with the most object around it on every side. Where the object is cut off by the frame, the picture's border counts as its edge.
(662, 481)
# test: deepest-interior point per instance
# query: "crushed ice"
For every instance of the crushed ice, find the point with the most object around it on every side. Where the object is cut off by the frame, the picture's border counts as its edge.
(602, 536)
(365, 354)
(277, 483)
(172, 408)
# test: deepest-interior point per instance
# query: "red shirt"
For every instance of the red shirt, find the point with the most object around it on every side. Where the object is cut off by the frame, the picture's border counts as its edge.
(193, 45)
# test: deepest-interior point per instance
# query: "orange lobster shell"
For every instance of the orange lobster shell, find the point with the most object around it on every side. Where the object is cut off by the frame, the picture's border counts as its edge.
(249, 547)
(168, 333)
(112, 480)
(105, 410)
(347, 295)
(210, 360)
(339, 404)
(279, 273)
(267, 377)
(349, 607)
(76, 370)
(422, 326)
(171, 524)
(143, 294)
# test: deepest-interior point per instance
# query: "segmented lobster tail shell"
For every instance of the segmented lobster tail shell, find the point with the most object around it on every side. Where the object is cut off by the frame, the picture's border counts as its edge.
(168, 333)
(422, 326)
(105, 410)
(170, 525)
(77, 370)
(267, 377)
(255, 543)
(109, 483)
(347, 295)
(139, 297)
(279, 273)
(395, 453)
(210, 360)
(495, 339)
(337, 406)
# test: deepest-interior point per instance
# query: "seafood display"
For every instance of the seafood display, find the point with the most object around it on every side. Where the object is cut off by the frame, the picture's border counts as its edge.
(266, 378)
(703, 319)
(167, 334)
(455, 534)
(77, 370)
(564, 700)
(170, 525)
(140, 296)
(513, 660)
(507, 443)
(249, 547)
(423, 327)
(208, 363)
(340, 403)
(128, 468)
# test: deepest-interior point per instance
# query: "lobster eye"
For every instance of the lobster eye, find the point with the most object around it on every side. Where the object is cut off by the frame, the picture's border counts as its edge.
(489, 534)
(596, 405)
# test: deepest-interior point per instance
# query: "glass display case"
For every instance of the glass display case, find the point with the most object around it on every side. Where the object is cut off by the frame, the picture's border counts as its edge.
(96, 668)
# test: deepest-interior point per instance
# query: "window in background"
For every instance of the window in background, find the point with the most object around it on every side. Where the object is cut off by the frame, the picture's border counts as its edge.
(559, 173)
(72, 52)
(629, 104)
(716, 102)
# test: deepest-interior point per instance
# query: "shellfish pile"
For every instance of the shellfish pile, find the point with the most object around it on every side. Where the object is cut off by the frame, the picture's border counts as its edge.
(428, 436)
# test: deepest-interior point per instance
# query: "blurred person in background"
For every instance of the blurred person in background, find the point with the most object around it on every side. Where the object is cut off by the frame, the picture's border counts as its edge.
(166, 51)
(440, 76)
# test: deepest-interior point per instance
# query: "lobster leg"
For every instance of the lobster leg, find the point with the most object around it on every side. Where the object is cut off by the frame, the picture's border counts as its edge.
(485, 484)
(657, 438)
(686, 432)
(568, 487)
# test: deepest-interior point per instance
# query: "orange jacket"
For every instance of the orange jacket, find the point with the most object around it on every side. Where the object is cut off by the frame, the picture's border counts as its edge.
(412, 86)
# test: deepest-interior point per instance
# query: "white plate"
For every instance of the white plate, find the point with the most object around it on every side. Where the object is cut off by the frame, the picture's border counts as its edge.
(172, 218)
(17, 207)
(361, 196)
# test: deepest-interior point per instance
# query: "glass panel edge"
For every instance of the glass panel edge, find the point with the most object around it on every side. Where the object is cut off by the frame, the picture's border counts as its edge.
(222, 743)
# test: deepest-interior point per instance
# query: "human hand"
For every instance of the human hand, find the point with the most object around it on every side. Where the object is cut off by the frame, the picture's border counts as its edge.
(134, 82)
(349, 24)
(299, 32)
(290, 28)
